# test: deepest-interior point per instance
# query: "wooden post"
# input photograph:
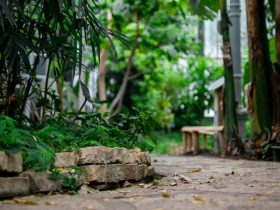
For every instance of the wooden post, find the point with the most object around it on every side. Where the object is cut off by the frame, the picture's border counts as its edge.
(222, 143)
(185, 143)
(204, 142)
(189, 139)
(195, 142)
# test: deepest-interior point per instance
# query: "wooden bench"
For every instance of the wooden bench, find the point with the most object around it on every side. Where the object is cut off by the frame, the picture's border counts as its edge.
(191, 137)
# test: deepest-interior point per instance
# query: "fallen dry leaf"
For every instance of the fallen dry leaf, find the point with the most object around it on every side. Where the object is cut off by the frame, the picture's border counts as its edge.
(252, 198)
(50, 203)
(198, 200)
(147, 186)
(7, 202)
(211, 179)
(185, 179)
(173, 184)
(194, 170)
(90, 207)
(165, 194)
(141, 185)
(124, 192)
(26, 202)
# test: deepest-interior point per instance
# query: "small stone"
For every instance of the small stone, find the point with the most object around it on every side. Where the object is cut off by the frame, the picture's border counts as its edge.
(14, 186)
(10, 163)
(86, 190)
(126, 184)
(40, 183)
(64, 159)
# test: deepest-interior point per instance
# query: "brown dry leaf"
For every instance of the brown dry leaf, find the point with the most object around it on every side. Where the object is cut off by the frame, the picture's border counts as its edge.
(252, 198)
(50, 203)
(211, 179)
(194, 170)
(147, 186)
(165, 194)
(141, 185)
(198, 200)
(90, 207)
(173, 184)
(7, 202)
(26, 202)
(124, 192)
(185, 179)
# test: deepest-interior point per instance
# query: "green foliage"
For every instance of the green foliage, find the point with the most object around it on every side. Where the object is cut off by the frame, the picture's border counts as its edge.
(54, 31)
(162, 82)
(167, 143)
(68, 180)
(38, 145)
(9, 138)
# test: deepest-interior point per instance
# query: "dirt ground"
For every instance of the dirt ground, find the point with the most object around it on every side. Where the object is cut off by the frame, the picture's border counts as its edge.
(189, 182)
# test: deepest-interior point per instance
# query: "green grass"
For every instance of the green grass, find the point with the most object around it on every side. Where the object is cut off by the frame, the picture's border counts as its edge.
(167, 142)
(170, 143)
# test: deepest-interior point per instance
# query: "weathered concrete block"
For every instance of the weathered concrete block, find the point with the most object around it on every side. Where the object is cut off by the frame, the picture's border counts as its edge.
(94, 155)
(40, 183)
(64, 159)
(134, 172)
(14, 186)
(150, 171)
(10, 163)
(122, 155)
(147, 158)
(140, 157)
(114, 172)
(105, 155)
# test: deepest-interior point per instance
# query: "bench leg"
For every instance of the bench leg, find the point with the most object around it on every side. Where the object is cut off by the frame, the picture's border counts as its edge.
(195, 142)
(222, 143)
(204, 142)
(185, 143)
(189, 139)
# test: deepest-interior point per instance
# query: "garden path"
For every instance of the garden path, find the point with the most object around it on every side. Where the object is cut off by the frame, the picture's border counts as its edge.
(189, 182)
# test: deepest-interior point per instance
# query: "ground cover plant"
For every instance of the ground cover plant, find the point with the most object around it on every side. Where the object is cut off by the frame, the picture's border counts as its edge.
(38, 144)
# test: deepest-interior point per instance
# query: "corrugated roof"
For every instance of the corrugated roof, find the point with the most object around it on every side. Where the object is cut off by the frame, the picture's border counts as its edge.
(217, 84)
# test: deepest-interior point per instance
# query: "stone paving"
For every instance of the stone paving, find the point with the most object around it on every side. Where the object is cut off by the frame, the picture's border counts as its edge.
(189, 182)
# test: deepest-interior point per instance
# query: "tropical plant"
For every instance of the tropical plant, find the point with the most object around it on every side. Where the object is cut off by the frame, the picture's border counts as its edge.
(56, 31)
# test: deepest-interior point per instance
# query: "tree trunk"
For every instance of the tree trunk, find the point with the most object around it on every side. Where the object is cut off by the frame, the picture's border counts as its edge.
(116, 105)
(233, 141)
(277, 7)
(276, 79)
(260, 68)
(102, 79)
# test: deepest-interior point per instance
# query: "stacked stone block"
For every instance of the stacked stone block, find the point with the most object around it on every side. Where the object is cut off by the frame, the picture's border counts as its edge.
(101, 165)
